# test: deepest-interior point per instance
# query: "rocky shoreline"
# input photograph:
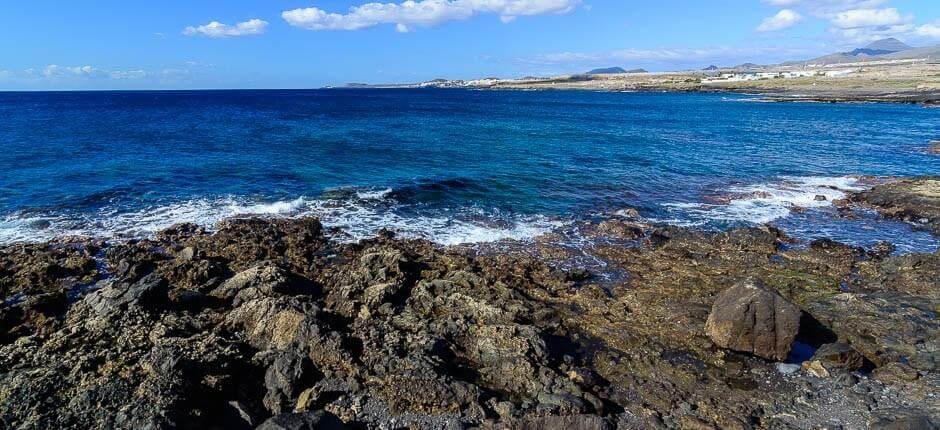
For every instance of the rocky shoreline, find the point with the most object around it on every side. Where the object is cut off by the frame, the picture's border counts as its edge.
(268, 323)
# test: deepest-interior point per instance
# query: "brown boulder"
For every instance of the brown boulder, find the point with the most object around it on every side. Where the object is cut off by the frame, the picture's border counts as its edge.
(750, 317)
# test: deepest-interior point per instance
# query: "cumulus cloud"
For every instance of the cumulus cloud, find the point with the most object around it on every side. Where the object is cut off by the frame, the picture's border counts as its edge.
(852, 22)
(423, 13)
(217, 29)
(786, 18)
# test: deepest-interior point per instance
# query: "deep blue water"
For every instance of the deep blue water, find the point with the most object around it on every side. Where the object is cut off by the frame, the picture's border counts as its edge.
(450, 165)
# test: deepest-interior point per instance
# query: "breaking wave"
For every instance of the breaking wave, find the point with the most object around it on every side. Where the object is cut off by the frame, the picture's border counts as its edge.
(764, 202)
(358, 213)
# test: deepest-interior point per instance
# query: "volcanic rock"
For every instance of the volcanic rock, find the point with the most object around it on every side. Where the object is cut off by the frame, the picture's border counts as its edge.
(749, 317)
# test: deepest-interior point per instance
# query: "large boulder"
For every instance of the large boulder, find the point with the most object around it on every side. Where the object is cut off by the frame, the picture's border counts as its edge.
(752, 318)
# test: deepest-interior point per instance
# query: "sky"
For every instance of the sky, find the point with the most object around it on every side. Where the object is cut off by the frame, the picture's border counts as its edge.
(194, 44)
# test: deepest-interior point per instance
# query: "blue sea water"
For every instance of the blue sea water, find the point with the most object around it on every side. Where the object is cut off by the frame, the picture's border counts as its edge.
(453, 166)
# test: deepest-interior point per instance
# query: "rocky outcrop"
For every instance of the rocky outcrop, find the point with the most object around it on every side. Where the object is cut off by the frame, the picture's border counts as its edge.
(268, 323)
(751, 318)
(913, 200)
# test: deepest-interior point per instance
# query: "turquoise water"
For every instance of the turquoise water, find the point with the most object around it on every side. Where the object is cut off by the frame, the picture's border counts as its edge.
(450, 165)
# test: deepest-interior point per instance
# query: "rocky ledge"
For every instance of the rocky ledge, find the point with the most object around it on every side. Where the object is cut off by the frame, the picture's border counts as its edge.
(915, 200)
(269, 324)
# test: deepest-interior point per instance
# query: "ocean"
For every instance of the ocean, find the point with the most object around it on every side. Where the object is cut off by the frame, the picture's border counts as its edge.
(452, 166)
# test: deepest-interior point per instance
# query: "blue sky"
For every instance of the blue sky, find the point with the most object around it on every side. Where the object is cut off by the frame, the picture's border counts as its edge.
(107, 44)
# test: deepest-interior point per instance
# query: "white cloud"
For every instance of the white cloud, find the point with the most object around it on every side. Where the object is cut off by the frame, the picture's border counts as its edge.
(421, 13)
(854, 22)
(856, 18)
(57, 71)
(216, 29)
(931, 30)
(786, 18)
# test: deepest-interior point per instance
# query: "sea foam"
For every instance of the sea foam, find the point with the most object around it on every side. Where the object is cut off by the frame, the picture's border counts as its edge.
(765, 202)
(359, 214)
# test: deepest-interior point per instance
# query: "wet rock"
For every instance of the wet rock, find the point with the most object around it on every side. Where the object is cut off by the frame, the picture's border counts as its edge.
(934, 147)
(628, 213)
(621, 229)
(311, 420)
(751, 318)
(178, 233)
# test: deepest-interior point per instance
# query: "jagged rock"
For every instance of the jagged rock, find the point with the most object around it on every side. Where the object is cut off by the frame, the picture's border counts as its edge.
(884, 326)
(284, 381)
(751, 318)
(839, 355)
(151, 290)
(312, 420)
(262, 280)
(815, 368)
(271, 322)
(621, 229)
(407, 334)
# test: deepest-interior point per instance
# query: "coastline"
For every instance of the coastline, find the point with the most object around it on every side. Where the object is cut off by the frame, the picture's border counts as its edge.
(895, 83)
(269, 321)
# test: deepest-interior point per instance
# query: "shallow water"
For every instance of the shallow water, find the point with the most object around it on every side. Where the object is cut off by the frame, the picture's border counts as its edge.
(454, 166)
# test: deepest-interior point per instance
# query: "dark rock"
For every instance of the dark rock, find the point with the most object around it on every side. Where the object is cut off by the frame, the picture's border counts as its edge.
(571, 422)
(149, 291)
(262, 280)
(311, 420)
(180, 232)
(621, 229)
(839, 355)
(402, 333)
(913, 200)
(884, 326)
(751, 318)
(285, 379)
(904, 420)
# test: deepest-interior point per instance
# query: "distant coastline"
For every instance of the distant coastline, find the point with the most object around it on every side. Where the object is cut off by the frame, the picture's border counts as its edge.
(883, 71)
(896, 82)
